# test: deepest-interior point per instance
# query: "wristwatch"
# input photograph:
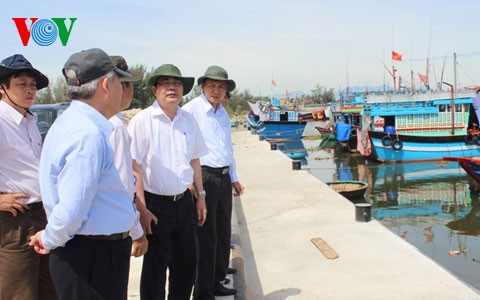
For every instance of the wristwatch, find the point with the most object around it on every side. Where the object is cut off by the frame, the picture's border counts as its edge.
(201, 193)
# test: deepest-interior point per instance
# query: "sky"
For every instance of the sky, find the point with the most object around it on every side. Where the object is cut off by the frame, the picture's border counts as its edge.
(298, 43)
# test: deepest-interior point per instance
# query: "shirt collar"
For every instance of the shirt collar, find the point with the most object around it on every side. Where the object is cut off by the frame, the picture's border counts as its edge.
(13, 114)
(104, 125)
(208, 106)
(158, 111)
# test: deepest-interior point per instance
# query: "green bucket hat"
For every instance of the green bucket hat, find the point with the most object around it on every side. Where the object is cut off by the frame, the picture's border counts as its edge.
(217, 73)
(168, 70)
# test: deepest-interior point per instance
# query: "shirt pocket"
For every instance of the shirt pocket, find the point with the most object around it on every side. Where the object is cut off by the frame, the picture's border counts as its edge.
(185, 144)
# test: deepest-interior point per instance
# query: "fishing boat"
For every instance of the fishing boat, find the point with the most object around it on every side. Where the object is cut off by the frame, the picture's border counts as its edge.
(278, 122)
(350, 189)
(422, 126)
(471, 165)
(253, 120)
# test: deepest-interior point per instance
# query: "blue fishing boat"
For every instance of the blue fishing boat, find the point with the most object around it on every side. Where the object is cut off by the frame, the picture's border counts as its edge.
(277, 122)
(253, 120)
(422, 127)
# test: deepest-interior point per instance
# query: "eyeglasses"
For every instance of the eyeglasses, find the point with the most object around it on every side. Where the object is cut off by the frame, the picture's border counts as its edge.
(166, 84)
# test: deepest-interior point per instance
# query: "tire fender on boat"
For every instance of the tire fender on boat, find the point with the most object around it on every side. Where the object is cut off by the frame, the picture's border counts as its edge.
(386, 140)
(397, 144)
(353, 132)
(469, 139)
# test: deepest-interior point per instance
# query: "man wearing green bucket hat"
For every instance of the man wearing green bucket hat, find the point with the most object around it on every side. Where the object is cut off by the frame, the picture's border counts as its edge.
(166, 147)
(219, 177)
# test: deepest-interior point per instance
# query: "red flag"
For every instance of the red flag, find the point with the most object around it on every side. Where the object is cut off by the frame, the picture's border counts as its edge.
(423, 78)
(274, 83)
(396, 56)
(287, 94)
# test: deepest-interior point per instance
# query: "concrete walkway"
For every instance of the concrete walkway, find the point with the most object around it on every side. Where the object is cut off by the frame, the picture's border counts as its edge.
(272, 227)
(283, 209)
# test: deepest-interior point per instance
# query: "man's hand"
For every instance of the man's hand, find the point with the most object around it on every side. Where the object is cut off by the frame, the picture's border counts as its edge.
(146, 217)
(10, 203)
(201, 210)
(238, 187)
(139, 246)
(36, 243)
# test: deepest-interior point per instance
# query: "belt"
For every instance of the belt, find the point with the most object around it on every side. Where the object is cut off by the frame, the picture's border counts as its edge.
(101, 237)
(173, 198)
(36, 206)
(222, 170)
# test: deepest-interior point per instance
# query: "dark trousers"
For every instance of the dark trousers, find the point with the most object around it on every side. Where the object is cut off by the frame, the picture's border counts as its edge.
(24, 274)
(91, 269)
(172, 246)
(214, 236)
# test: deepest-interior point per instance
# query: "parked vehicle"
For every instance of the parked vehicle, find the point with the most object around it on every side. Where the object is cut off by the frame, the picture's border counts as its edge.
(46, 115)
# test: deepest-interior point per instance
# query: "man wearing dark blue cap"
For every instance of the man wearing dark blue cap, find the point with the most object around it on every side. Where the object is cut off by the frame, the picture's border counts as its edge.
(23, 273)
(90, 213)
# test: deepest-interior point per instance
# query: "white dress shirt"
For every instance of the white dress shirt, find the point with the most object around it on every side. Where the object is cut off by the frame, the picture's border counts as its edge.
(215, 127)
(120, 142)
(165, 148)
(20, 148)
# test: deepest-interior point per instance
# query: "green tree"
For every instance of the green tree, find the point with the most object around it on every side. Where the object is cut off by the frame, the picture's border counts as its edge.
(60, 91)
(44, 96)
(321, 94)
(142, 95)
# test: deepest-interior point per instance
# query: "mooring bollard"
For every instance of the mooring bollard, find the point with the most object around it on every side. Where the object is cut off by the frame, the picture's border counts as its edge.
(296, 165)
(261, 138)
(273, 146)
(363, 212)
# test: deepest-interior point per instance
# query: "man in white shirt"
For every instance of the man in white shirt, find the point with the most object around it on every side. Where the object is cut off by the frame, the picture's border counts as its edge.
(166, 147)
(120, 142)
(24, 274)
(219, 177)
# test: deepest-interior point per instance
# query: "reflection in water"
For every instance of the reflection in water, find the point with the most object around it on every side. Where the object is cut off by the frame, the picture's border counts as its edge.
(433, 205)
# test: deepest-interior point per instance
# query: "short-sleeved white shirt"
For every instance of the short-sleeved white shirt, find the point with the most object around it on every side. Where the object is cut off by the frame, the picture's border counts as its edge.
(165, 148)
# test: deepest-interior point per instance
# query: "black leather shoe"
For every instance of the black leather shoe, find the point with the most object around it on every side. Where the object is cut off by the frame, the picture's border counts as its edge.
(231, 271)
(220, 290)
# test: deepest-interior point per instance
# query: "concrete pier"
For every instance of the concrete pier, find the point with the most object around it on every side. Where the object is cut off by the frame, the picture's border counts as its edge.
(274, 222)
(283, 209)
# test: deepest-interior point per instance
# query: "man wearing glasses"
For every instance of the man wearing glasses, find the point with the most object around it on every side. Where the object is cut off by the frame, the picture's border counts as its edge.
(166, 147)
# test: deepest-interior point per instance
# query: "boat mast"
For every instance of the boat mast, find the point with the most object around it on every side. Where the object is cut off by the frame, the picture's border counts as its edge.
(455, 70)
(452, 108)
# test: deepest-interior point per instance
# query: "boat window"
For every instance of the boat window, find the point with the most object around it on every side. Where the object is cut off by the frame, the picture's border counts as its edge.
(458, 107)
(441, 108)
(449, 107)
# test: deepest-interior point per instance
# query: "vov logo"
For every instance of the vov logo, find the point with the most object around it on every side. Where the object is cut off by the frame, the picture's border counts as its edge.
(44, 32)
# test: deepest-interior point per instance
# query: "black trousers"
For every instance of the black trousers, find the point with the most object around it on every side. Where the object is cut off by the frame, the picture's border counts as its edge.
(172, 246)
(214, 236)
(91, 269)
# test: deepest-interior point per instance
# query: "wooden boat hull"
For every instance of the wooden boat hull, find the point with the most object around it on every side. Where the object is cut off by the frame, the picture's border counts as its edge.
(350, 189)
(407, 148)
